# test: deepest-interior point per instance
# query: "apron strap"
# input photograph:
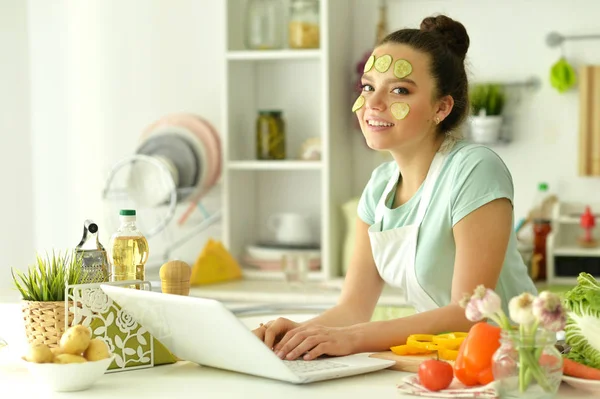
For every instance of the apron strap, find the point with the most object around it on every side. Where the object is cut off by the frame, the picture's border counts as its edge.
(379, 210)
(432, 176)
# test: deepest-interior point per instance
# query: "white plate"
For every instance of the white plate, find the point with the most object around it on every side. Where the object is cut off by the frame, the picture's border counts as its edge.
(592, 386)
(264, 253)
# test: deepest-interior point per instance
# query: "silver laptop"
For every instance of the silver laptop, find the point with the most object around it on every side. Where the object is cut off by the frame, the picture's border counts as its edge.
(204, 331)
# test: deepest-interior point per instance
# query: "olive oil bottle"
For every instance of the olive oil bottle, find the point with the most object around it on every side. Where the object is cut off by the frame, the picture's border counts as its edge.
(128, 249)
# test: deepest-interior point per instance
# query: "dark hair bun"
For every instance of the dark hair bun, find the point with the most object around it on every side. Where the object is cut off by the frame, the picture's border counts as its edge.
(453, 32)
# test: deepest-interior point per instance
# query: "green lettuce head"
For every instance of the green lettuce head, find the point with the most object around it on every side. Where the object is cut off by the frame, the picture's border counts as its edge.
(582, 331)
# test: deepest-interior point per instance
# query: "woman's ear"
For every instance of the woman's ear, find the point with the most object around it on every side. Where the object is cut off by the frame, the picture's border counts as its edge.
(444, 107)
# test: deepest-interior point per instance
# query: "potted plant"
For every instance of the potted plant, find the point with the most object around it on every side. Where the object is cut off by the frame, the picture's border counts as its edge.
(42, 289)
(487, 103)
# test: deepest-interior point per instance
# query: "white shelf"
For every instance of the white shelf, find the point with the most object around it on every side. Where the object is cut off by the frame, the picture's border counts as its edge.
(576, 251)
(275, 165)
(265, 55)
(568, 220)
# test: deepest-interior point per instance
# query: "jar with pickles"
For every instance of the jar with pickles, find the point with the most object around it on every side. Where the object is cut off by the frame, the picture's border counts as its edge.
(270, 135)
(303, 27)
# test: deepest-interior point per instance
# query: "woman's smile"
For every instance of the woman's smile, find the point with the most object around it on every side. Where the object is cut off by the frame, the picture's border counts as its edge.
(376, 124)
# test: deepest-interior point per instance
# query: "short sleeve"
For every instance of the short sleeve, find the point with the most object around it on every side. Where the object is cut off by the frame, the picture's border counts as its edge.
(373, 191)
(480, 177)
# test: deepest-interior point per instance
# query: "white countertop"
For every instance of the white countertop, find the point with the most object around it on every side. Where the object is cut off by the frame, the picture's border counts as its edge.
(269, 291)
(189, 380)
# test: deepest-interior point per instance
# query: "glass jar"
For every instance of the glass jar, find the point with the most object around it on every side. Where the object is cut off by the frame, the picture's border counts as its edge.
(270, 135)
(303, 27)
(263, 24)
(527, 366)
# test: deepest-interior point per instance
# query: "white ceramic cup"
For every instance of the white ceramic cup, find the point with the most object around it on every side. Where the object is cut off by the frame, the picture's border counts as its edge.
(290, 228)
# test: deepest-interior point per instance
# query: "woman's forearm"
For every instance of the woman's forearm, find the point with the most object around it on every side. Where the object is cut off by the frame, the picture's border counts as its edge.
(338, 316)
(381, 335)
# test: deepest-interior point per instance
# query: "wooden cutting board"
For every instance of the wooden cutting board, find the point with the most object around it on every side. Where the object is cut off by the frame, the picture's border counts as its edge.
(407, 363)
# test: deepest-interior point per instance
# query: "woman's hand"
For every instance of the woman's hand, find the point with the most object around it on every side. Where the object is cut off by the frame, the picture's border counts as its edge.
(272, 331)
(311, 342)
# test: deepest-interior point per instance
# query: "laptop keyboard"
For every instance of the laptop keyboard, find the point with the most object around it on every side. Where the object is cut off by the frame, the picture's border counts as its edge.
(308, 366)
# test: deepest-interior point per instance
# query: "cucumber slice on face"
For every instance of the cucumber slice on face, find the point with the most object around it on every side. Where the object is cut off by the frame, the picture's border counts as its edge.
(402, 69)
(360, 101)
(400, 110)
(369, 63)
(383, 63)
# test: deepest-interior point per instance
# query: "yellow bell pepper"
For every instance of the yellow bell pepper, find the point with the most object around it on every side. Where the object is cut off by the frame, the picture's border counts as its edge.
(409, 350)
(450, 340)
(422, 341)
(447, 354)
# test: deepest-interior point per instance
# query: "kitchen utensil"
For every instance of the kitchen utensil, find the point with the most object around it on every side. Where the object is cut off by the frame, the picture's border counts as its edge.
(180, 152)
(408, 363)
(290, 228)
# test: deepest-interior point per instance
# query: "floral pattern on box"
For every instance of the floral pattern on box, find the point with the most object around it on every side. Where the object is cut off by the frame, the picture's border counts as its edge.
(133, 346)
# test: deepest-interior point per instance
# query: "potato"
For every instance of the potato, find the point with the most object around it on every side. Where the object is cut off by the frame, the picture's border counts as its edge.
(57, 350)
(40, 353)
(75, 340)
(66, 358)
(97, 350)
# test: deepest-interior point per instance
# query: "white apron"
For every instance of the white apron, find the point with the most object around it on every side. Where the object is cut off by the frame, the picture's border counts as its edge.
(394, 251)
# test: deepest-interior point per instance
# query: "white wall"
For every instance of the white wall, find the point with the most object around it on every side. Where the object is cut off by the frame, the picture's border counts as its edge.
(15, 163)
(508, 44)
(102, 71)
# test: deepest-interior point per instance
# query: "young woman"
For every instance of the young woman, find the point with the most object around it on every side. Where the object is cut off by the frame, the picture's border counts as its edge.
(437, 221)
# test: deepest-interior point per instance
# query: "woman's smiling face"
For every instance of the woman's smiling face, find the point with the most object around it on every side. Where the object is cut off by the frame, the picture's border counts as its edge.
(381, 128)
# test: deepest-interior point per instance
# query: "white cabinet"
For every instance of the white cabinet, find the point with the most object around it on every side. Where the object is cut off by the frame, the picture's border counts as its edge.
(313, 89)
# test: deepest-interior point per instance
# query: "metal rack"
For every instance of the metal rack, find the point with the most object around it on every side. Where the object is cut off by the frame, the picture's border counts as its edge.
(555, 39)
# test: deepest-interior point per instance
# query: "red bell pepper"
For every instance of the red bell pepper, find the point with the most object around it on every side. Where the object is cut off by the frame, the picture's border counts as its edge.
(473, 365)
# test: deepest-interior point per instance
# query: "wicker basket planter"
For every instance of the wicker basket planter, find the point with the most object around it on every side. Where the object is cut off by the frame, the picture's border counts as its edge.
(44, 322)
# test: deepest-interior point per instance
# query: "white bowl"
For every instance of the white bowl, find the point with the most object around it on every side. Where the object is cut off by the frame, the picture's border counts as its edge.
(592, 386)
(69, 377)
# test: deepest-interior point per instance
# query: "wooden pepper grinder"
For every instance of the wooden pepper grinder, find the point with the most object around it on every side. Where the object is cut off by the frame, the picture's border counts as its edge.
(175, 277)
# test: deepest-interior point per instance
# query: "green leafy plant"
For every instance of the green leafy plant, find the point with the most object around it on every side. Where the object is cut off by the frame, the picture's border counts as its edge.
(487, 97)
(47, 279)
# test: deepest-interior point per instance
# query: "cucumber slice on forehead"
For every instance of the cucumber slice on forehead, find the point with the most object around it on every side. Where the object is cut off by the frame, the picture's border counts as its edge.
(402, 68)
(360, 101)
(383, 63)
(369, 64)
(400, 110)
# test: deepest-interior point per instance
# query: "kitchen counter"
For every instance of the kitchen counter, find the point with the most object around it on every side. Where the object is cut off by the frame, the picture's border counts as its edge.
(189, 380)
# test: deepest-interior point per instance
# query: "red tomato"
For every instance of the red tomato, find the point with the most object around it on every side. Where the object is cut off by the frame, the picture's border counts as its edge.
(435, 375)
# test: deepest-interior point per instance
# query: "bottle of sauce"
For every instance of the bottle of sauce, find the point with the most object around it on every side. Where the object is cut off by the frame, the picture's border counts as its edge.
(541, 229)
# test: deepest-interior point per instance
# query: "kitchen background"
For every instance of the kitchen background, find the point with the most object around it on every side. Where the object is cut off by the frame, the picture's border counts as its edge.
(81, 80)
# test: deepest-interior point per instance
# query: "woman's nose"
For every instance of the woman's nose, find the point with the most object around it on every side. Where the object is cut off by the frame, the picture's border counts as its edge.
(375, 102)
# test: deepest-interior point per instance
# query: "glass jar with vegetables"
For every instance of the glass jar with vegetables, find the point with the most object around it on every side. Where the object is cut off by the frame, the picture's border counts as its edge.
(303, 28)
(270, 135)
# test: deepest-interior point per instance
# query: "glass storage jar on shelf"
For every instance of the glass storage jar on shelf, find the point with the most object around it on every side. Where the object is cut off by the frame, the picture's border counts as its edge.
(263, 25)
(270, 135)
(303, 27)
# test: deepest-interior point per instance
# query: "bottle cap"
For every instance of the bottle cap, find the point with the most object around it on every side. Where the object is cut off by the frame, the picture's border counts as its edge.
(127, 212)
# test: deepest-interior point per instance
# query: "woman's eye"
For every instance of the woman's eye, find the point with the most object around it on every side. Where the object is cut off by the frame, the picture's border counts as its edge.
(367, 87)
(400, 90)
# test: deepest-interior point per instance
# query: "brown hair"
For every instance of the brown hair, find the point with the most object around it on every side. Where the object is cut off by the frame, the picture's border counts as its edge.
(446, 41)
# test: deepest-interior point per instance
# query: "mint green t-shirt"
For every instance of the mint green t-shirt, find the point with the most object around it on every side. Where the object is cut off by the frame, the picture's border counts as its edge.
(471, 177)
